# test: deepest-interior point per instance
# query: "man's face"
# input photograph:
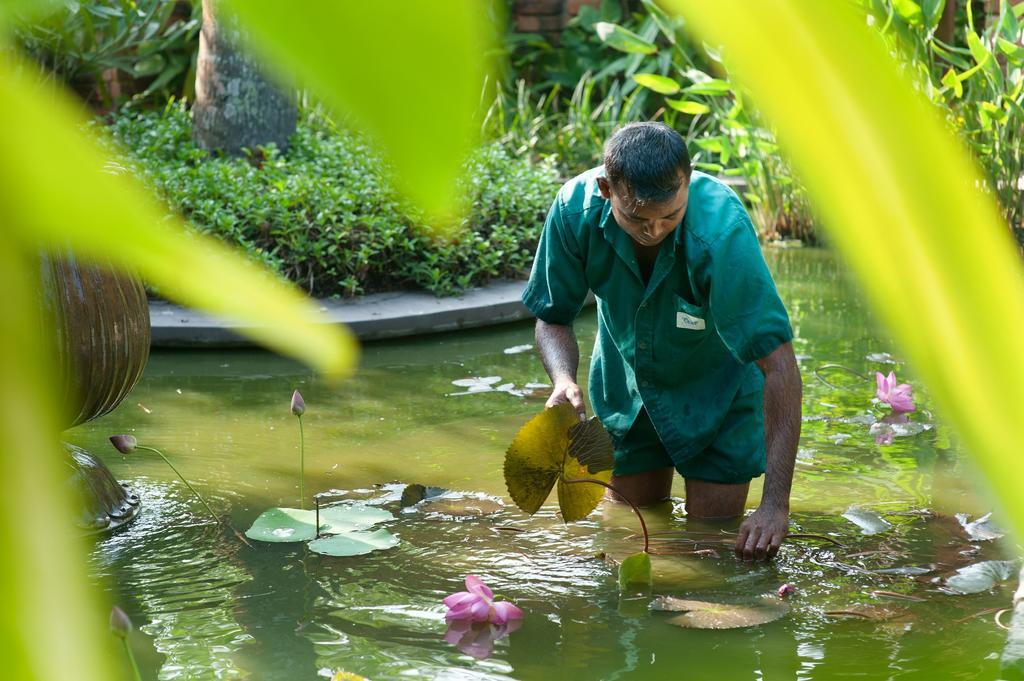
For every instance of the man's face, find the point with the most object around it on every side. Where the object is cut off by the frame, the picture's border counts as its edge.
(648, 223)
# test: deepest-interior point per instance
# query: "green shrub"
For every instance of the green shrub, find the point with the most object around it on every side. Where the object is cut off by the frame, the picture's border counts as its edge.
(324, 215)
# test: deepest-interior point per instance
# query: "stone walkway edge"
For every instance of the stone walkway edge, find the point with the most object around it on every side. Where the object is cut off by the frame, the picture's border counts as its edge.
(373, 317)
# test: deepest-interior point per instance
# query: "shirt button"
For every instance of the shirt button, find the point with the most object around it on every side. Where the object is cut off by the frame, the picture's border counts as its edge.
(642, 345)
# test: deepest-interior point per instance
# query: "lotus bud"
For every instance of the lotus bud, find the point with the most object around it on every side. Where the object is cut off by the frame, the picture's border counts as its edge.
(124, 443)
(120, 624)
(298, 404)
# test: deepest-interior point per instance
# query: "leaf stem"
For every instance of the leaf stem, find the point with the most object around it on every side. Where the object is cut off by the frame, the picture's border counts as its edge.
(131, 658)
(199, 496)
(302, 466)
(636, 510)
(823, 367)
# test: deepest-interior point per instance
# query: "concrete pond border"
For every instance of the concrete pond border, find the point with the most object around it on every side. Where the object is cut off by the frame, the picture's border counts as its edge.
(373, 317)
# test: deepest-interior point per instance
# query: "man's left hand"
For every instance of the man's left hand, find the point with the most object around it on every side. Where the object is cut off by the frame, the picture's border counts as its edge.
(762, 533)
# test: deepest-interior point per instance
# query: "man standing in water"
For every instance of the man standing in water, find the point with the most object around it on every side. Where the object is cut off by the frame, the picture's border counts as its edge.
(693, 368)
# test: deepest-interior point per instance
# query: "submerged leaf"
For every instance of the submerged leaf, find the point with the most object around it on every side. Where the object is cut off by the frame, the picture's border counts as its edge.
(876, 613)
(635, 572)
(869, 522)
(353, 543)
(539, 457)
(980, 576)
(708, 615)
(461, 505)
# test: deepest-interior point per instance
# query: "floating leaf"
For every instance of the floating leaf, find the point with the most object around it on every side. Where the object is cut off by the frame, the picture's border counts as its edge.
(283, 525)
(869, 522)
(353, 543)
(539, 457)
(980, 529)
(635, 572)
(590, 444)
(707, 615)
(980, 576)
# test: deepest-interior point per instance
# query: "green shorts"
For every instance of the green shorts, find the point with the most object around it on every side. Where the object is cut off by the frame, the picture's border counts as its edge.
(735, 457)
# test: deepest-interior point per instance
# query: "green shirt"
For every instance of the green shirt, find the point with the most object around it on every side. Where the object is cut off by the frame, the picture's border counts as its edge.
(682, 346)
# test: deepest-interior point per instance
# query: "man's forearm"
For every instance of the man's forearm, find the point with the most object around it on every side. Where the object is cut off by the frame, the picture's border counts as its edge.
(559, 351)
(782, 405)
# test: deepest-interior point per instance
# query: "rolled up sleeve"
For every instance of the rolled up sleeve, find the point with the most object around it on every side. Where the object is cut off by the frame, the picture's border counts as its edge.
(558, 286)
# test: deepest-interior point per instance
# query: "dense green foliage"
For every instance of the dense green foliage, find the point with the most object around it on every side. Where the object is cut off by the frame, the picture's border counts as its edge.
(323, 214)
(110, 50)
(641, 65)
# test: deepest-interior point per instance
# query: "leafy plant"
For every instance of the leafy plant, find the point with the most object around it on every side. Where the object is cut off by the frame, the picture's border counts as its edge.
(86, 44)
(977, 83)
(325, 214)
(555, 447)
(728, 136)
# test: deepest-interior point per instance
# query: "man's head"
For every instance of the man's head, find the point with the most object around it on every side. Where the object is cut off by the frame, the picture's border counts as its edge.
(647, 175)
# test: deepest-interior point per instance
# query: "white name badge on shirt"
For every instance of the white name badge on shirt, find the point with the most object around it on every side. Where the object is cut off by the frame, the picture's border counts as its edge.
(688, 321)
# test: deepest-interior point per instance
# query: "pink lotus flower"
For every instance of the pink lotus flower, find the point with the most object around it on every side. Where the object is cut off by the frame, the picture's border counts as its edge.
(477, 604)
(896, 396)
(785, 590)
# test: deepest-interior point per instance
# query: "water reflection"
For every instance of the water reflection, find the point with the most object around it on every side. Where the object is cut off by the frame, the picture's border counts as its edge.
(215, 609)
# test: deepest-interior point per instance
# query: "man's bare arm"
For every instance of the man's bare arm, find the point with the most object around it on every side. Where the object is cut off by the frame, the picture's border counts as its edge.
(561, 357)
(762, 533)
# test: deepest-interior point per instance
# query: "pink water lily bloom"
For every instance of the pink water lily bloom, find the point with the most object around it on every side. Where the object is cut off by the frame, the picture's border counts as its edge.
(477, 604)
(896, 396)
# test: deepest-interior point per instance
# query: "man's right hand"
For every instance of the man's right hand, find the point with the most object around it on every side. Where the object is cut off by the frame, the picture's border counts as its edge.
(567, 391)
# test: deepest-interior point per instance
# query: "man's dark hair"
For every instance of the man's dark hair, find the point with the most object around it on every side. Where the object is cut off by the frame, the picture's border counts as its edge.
(647, 159)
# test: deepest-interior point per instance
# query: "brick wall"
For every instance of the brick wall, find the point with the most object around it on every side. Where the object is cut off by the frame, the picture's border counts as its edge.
(546, 17)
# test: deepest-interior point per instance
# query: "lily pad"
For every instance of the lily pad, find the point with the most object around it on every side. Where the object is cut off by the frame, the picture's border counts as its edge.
(539, 457)
(981, 529)
(869, 522)
(980, 576)
(283, 525)
(353, 543)
(708, 615)
(635, 572)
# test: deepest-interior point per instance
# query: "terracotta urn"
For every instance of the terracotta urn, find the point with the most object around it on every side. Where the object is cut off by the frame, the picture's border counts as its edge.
(100, 323)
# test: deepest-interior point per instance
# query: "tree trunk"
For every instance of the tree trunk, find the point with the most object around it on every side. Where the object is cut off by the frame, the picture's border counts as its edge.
(236, 106)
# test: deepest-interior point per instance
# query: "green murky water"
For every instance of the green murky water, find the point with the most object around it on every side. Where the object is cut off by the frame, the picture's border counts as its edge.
(209, 607)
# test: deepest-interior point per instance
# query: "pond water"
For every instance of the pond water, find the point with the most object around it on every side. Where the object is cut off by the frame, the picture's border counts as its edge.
(210, 607)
